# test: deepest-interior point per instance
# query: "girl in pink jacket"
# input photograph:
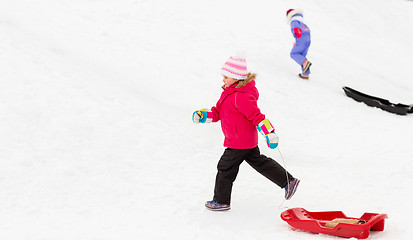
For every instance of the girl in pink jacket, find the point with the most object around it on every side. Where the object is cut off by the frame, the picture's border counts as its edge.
(240, 119)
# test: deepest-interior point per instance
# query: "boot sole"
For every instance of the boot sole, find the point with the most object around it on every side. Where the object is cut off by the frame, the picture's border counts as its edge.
(219, 209)
(303, 77)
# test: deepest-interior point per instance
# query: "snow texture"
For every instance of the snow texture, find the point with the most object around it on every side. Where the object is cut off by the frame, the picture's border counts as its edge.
(96, 99)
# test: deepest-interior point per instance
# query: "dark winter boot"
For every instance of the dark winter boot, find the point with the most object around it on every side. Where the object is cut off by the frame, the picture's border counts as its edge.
(306, 66)
(304, 76)
(291, 188)
(215, 206)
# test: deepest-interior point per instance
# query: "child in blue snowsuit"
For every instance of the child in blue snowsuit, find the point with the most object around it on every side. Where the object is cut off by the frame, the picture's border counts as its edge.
(301, 33)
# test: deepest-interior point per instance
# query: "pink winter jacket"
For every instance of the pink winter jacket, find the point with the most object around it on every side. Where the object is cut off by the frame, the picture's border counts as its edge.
(239, 114)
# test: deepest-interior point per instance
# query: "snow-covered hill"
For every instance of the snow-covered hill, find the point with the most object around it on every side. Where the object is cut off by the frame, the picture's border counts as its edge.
(96, 99)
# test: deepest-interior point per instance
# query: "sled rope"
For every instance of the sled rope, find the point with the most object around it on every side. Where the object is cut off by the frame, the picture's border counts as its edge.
(288, 180)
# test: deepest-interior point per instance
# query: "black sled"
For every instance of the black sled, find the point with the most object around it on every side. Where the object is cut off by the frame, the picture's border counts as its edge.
(386, 105)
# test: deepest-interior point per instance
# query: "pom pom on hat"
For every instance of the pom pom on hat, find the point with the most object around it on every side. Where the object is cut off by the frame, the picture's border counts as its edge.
(236, 66)
(291, 12)
(240, 55)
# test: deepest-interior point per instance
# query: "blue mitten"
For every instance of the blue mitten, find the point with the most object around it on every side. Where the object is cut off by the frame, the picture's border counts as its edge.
(267, 130)
(202, 116)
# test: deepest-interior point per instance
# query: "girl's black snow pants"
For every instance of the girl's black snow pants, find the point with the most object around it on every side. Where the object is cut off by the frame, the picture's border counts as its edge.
(228, 167)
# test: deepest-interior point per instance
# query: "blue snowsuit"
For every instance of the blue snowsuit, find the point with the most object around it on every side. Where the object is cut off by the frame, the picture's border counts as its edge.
(300, 49)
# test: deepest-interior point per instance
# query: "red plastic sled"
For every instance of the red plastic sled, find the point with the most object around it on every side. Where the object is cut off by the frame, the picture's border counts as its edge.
(316, 222)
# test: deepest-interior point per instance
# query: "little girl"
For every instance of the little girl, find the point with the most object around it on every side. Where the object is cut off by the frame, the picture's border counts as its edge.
(301, 33)
(240, 119)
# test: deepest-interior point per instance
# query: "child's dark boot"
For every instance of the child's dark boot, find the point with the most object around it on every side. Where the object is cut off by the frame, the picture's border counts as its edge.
(291, 188)
(215, 206)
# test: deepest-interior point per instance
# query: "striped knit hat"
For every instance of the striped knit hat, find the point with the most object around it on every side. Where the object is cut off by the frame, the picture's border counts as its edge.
(236, 67)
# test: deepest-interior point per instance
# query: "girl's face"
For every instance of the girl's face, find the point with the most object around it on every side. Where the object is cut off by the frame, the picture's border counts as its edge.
(229, 81)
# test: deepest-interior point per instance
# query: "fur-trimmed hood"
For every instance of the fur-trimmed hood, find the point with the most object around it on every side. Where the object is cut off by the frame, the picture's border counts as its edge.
(251, 77)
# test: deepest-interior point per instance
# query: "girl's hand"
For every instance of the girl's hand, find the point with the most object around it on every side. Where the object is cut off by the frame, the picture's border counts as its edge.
(202, 116)
(272, 140)
(267, 130)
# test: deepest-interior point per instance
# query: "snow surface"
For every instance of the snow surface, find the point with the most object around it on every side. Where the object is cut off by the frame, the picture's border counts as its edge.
(96, 99)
